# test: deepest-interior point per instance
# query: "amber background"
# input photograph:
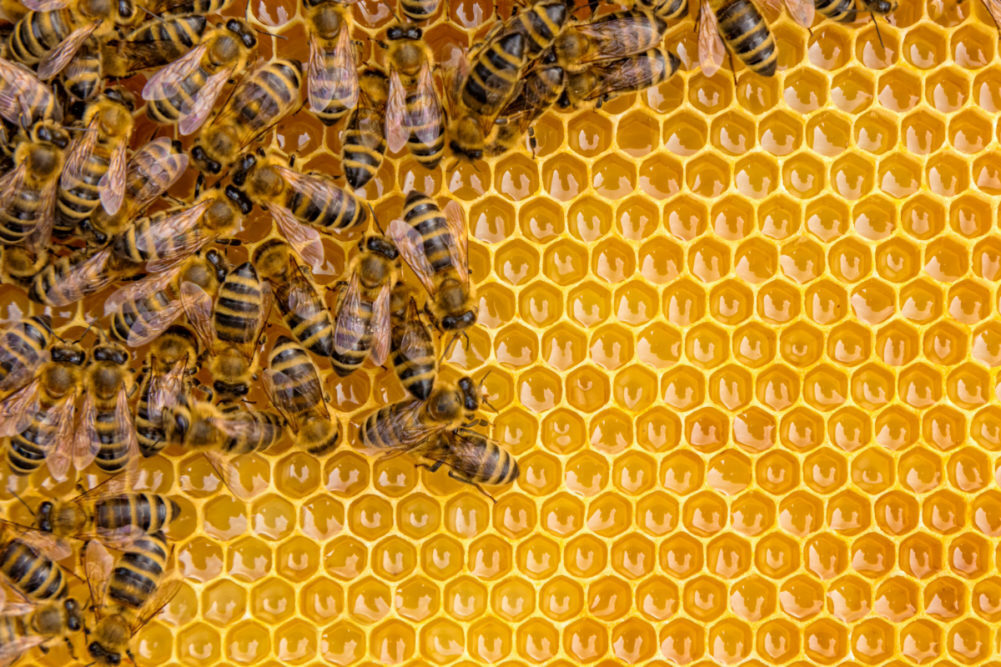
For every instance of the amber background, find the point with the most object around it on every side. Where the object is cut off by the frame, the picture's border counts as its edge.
(743, 338)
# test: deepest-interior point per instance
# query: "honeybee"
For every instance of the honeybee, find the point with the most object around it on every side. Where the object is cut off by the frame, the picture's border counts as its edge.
(24, 99)
(604, 80)
(880, 6)
(186, 91)
(267, 95)
(107, 434)
(296, 391)
(471, 458)
(155, 43)
(180, 7)
(84, 74)
(364, 139)
(229, 427)
(28, 191)
(28, 563)
(142, 310)
(669, 10)
(332, 71)
(414, 116)
(540, 90)
(94, 173)
(301, 306)
(24, 346)
(150, 172)
(419, 10)
(37, 420)
(170, 363)
(842, 11)
(411, 344)
(21, 264)
(741, 26)
(407, 425)
(126, 594)
(540, 24)
(434, 244)
(69, 279)
(166, 237)
(20, 632)
(609, 37)
(362, 321)
(803, 11)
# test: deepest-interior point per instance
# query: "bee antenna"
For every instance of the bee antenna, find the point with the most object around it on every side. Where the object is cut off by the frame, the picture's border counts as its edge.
(879, 35)
(158, 18)
(375, 220)
(448, 348)
(21, 500)
(269, 34)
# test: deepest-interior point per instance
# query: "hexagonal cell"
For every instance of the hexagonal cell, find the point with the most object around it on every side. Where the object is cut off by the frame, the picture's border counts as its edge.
(779, 217)
(898, 90)
(825, 641)
(778, 640)
(589, 134)
(778, 302)
(709, 95)
(564, 177)
(945, 598)
(704, 598)
(848, 599)
(801, 597)
(733, 133)
(755, 261)
(441, 556)
(876, 132)
(852, 89)
(921, 555)
(777, 387)
(852, 177)
(872, 555)
(728, 556)
(753, 345)
(825, 556)
(802, 260)
(516, 346)
(707, 175)
(776, 555)
(613, 176)
(542, 472)
(661, 176)
(540, 219)
(272, 600)
(805, 90)
(608, 515)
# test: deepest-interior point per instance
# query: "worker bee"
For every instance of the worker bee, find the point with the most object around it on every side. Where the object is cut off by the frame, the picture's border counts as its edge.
(37, 420)
(362, 319)
(540, 90)
(610, 37)
(70, 278)
(604, 80)
(150, 173)
(332, 70)
(36, 626)
(28, 191)
(268, 94)
(471, 458)
(540, 25)
(741, 26)
(298, 301)
(434, 245)
(107, 434)
(84, 74)
(879, 6)
(414, 116)
(170, 363)
(94, 173)
(142, 310)
(24, 346)
(411, 344)
(126, 594)
(296, 391)
(230, 428)
(185, 91)
(166, 237)
(28, 563)
(407, 425)
(669, 10)
(21, 264)
(155, 43)
(24, 99)
(842, 11)
(803, 11)
(364, 139)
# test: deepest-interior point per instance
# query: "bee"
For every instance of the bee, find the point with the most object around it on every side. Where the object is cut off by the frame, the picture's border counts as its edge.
(149, 173)
(483, 87)
(471, 458)
(24, 99)
(37, 420)
(411, 344)
(155, 43)
(69, 279)
(541, 89)
(414, 116)
(362, 322)
(21, 264)
(842, 11)
(26, 564)
(184, 7)
(231, 428)
(609, 37)
(94, 173)
(267, 95)
(166, 237)
(296, 391)
(407, 425)
(303, 310)
(364, 139)
(126, 595)
(669, 10)
(142, 310)
(433, 243)
(540, 25)
(741, 26)
(24, 346)
(107, 434)
(185, 91)
(84, 74)
(170, 363)
(20, 632)
(605, 80)
(332, 70)
(28, 191)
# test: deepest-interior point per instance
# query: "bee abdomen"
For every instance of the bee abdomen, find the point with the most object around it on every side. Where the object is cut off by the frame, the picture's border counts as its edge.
(842, 11)
(745, 30)
(32, 573)
(139, 571)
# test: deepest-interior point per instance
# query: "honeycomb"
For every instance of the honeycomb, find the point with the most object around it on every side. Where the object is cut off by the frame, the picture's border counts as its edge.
(742, 334)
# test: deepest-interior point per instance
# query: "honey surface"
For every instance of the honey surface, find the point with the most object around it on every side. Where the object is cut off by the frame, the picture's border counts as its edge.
(743, 338)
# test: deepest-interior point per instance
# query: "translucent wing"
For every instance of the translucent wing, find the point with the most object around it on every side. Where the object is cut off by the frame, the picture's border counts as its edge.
(416, 338)
(46, 5)
(994, 7)
(56, 61)
(160, 598)
(46, 543)
(165, 81)
(61, 457)
(155, 325)
(197, 304)
(140, 289)
(79, 152)
(230, 475)
(166, 390)
(179, 236)
(410, 244)
(802, 11)
(16, 410)
(21, 375)
(111, 187)
(301, 298)
(22, 84)
(11, 182)
(120, 538)
(397, 133)
(710, 44)
(85, 278)
(303, 238)
(459, 248)
(15, 648)
(313, 186)
(426, 121)
(381, 327)
(165, 173)
(97, 567)
(192, 119)
(41, 234)
(125, 430)
(332, 75)
(349, 314)
(88, 440)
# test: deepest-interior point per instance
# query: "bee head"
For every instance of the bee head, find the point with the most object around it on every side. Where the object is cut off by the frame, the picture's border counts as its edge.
(327, 21)
(95, 9)
(404, 32)
(74, 619)
(243, 167)
(203, 161)
(240, 199)
(380, 245)
(44, 521)
(445, 404)
(111, 353)
(69, 354)
(126, 10)
(470, 399)
(102, 655)
(243, 32)
(458, 322)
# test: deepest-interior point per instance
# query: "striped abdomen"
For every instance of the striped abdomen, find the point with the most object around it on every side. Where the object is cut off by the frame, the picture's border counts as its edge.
(476, 459)
(156, 43)
(148, 511)
(13, 629)
(150, 238)
(339, 209)
(427, 154)
(139, 571)
(423, 214)
(744, 30)
(418, 10)
(493, 75)
(296, 386)
(356, 341)
(267, 429)
(21, 215)
(80, 198)
(390, 427)
(264, 99)
(22, 347)
(364, 146)
(113, 452)
(666, 9)
(38, 33)
(416, 366)
(32, 573)
(27, 450)
(168, 109)
(239, 305)
(139, 316)
(540, 24)
(85, 74)
(842, 11)
(149, 432)
(307, 318)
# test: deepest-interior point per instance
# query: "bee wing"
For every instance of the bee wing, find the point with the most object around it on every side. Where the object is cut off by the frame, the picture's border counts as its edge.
(313, 186)
(455, 218)
(111, 187)
(18, 377)
(11, 182)
(410, 244)
(155, 325)
(16, 409)
(305, 239)
(163, 83)
(167, 171)
(46, 5)
(120, 538)
(56, 61)
(97, 567)
(125, 430)
(802, 11)
(994, 7)
(46, 543)
(183, 225)
(85, 278)
(60, 458)
(381, 327)
(41, 234)
(88, 440)
(348, 318)
(426, 121)
(230, 475)
(329, 70)
(710, 44)
(197, 304)
(301, 298)
(160, 598)
(139, 289)
(80, 151)
(165, 390)
(416, 338)
(272, 380)
(192, 119)
(396, 114)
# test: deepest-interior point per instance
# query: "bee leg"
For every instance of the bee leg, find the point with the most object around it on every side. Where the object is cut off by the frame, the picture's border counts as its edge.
(451, 473)
(69, 647)
(430, 468)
